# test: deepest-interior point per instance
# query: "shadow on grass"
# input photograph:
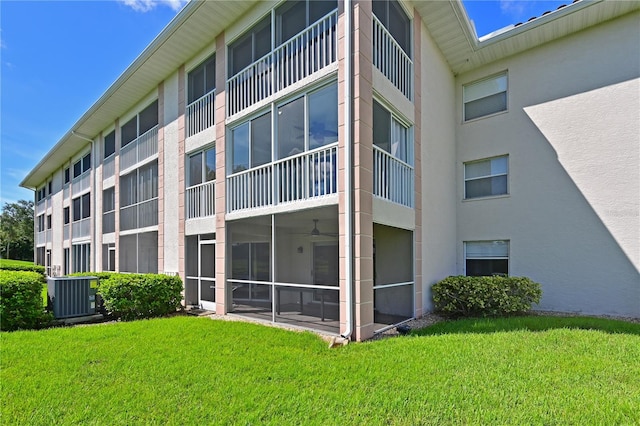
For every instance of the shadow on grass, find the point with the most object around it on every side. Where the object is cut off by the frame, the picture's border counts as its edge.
(528, 323)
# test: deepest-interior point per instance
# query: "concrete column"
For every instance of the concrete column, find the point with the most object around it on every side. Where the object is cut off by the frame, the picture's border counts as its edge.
(116, 192)
(222, 298)
(181, 174)
(417, 166)
(161, 124)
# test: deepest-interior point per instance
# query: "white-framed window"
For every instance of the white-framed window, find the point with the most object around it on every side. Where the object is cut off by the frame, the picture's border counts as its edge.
(483, 258)
(391, 134)
(202, 166)
(486, 178)
(485, 97)
(144, 121)
(391, 14)
(81, 166)
(81, 257)
(110, 144)
(202, 79)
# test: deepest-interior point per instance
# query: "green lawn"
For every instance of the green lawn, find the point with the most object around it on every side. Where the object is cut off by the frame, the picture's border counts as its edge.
(11, 262)
(188, 370)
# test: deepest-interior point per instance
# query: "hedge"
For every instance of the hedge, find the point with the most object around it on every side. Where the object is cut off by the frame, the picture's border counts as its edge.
(461, 296)
(21, 305)
(10, 265)
(135, 296)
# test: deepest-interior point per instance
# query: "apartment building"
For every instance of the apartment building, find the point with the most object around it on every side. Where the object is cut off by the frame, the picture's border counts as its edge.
(323, 163)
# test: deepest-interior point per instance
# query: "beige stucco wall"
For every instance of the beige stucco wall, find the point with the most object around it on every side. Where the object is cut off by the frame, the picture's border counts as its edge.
(172, 191)
(438, 169)
(572, 134)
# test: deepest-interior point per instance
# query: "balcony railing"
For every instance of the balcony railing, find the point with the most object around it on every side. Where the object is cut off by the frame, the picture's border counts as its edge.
(41, 238)
(304, 176)
(201, 200)
(391, 60)
(310, 51)
(109, 222)
(392, 178)
(65, 232)
(200, 114)
(66, 191)
(145, 146)
(109, 167)
(139, 215)
(41, 206)
(81, 183)
(81, 228)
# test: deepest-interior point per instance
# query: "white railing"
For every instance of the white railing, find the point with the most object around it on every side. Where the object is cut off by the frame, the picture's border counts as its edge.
(250, 189)
(66, 191)
(201, 200)
(81, 228)
(200, 114)
(391, 60)
(41, 238)
(41, 206)
(300, 177)
(81, 183)
(141, 148)
(308, 52)
(109, 222)
(65, 231)
(109, 167)
(318, 168)
(139, 215)
(392, 178)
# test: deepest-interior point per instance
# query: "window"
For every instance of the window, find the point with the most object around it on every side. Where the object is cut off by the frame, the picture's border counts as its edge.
(140, 190)
(250, 47)
(485, 97)
(395, 20)
(82, 165)
(48, 221)
(81, 207)
(391, 135)
(484, 258)
(41, 194)
(486, 177)
(109, 257)
(292, 17)
(67, 217)
(81, 257)
(140, 124)
(202, 79)
(50, 187)
(251, 143)
(67, 175)
(110, 144)
(202, 167)
(40, 220)
(108, 213)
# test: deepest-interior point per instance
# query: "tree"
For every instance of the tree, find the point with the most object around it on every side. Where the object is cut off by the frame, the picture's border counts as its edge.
(16, 230)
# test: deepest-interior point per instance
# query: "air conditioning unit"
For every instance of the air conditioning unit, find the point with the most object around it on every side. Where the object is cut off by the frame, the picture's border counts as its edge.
(72, 296)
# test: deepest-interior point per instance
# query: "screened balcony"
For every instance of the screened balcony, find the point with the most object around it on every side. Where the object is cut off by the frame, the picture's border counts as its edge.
(390, 53)
(306, 53)
(282, 271)
(81, 228)
(81, 183)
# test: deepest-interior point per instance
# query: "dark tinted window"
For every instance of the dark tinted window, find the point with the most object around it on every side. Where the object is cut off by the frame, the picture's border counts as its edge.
(129, 132)
(148, 118)
(110, 144)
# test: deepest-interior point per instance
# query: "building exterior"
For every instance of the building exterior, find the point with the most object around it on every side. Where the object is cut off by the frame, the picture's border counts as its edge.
(323, 163)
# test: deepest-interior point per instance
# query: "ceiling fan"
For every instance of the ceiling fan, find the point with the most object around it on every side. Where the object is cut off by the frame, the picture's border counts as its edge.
(315, 232)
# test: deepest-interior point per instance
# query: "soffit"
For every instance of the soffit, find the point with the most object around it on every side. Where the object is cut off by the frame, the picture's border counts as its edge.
(194, 28)
(450, 28)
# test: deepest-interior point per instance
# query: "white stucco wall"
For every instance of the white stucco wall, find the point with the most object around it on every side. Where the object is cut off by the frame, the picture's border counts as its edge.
(171, 167)
(572, 133)
(438, 169)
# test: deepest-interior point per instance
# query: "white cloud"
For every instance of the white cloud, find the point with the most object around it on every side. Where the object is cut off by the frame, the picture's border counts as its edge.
(147, 5)
(513, 8)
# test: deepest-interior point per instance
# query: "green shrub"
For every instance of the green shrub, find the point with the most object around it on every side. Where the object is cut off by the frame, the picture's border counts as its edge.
(19, 265)
(134, 296)
(21, 304)
(462, 296)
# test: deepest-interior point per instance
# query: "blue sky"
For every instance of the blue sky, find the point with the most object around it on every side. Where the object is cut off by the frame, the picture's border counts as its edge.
(58, 57)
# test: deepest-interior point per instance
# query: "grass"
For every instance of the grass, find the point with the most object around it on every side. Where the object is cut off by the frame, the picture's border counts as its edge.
(14, 263)
(187, 370)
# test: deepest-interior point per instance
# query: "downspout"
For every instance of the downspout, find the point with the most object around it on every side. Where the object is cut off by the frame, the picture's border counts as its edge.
(348, 161)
